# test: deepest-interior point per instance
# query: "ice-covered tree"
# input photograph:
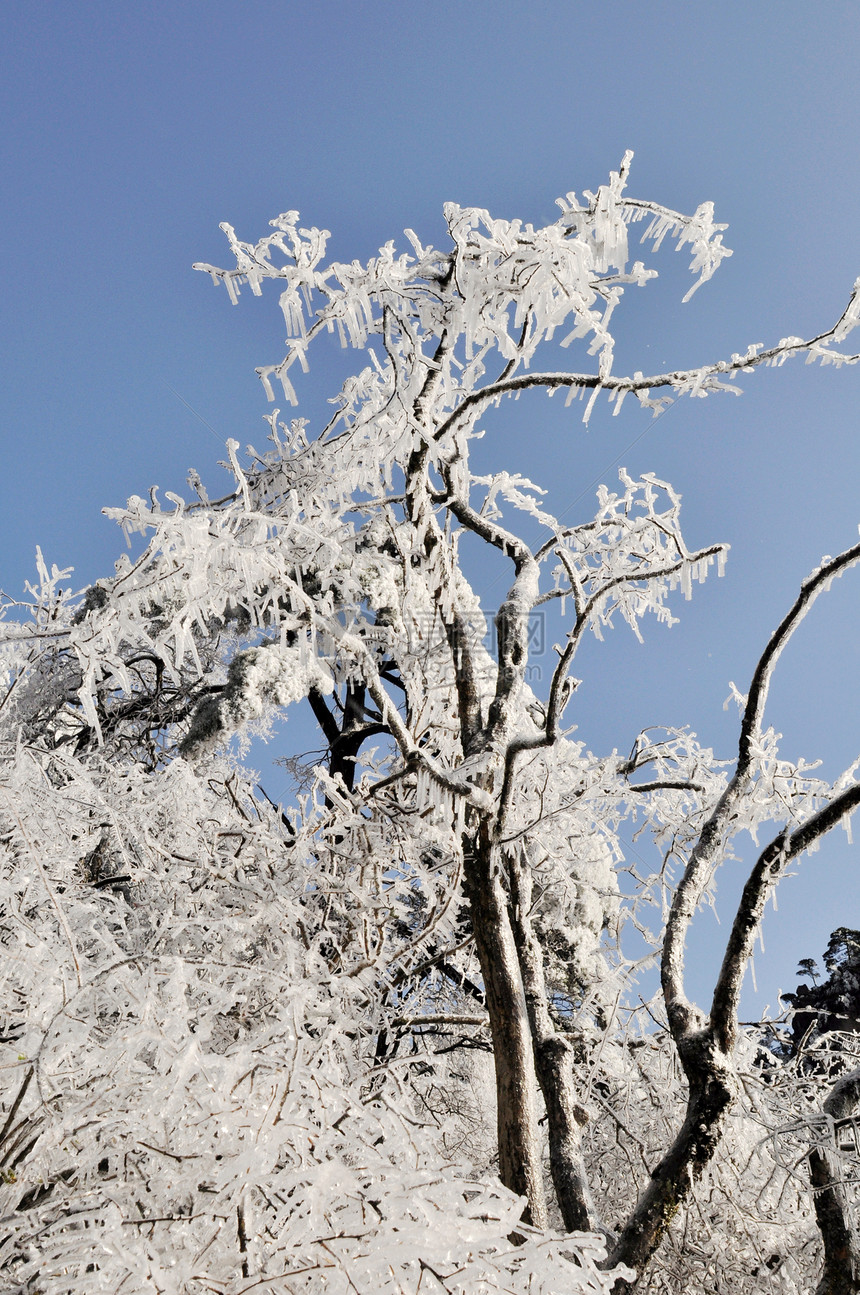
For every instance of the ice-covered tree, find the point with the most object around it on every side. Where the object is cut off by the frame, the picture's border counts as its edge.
(244, 1040)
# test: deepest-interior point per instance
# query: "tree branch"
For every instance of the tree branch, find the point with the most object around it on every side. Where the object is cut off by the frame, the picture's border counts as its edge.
(711, 838)
(701, 379)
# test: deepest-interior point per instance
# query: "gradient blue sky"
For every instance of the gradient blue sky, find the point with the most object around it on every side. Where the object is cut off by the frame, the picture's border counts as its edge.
(131, 129)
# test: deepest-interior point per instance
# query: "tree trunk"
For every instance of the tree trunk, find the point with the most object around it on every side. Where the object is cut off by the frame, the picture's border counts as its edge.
(709, 1076)
(566, 1119)
(841, 1272)
(516, 1087)
(554, 1061)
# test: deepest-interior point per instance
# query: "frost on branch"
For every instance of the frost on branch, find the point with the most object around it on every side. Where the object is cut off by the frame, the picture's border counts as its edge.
(503, 290)
(259, 679)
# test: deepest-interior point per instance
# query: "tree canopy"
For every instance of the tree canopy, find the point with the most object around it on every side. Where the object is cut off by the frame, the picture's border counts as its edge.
(389, 1037)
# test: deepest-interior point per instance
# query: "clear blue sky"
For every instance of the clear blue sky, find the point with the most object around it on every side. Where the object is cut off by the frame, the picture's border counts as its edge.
(132, 129)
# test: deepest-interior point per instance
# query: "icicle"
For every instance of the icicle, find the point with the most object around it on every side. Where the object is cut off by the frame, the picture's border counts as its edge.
(232, 447)
(619, 393)
(263, 375)
(590, 405)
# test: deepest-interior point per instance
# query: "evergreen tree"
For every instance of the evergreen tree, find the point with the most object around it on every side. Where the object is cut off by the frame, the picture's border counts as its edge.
(833, 1005)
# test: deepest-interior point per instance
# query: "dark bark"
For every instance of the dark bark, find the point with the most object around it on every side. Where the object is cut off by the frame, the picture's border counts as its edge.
(347, 734)
(352, 734)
